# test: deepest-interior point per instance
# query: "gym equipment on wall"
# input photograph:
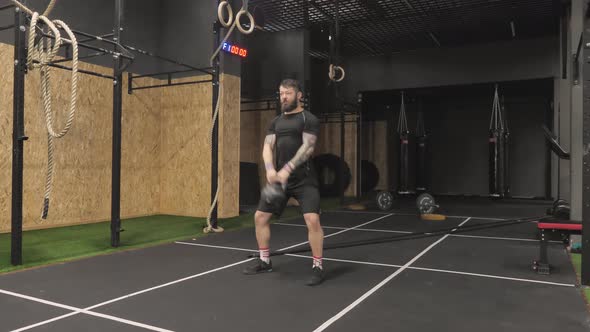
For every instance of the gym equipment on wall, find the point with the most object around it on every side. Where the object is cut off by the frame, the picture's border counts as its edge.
(404, 133)
(506, 150)
(560, 208)
(425, 203)
(421, 154)
(497, 150)
(555, 146)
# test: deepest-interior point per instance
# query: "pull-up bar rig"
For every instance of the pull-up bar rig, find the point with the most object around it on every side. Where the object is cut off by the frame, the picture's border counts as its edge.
(122, 58)
(214, 71)
(169, 74)
(19, 137)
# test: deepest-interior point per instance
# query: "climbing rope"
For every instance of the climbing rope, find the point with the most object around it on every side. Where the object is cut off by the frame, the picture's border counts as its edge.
(40, 56)
(231, 23)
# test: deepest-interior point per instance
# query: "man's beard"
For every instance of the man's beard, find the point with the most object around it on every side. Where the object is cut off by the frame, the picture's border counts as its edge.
(289, 107)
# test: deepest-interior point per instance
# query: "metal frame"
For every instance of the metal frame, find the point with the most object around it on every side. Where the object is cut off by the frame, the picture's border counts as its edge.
(269, 105)
(585, 277)
(117, 115)
(20, 70)
(169, 82)
(215, 135)
(169, 74)
(119, 67)
(18, 135)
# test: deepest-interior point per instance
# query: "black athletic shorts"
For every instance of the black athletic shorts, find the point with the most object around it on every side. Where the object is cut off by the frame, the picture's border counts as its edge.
(305, 191)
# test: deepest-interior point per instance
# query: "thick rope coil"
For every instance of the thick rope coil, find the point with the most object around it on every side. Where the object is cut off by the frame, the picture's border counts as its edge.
(39, 57)
(227, 24)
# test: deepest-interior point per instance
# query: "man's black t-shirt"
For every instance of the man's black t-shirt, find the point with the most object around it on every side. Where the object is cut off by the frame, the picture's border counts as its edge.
(289, 129)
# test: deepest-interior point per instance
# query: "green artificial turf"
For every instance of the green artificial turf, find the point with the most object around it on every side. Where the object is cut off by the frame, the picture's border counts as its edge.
(577, 262)
(53, 245)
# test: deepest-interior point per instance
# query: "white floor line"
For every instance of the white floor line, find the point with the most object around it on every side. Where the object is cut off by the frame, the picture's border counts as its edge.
(167, 284)
(500, 238)
(45, 322)
(393, 265)
(87, 310)
(347, 261)
(494, 276)
(213, 246)
(410, 214)
(74, 312)
(355, 212)
(358, 229)
(475, 217)
(407, 232)
(381, 284)
(38, 300)
(342, 231)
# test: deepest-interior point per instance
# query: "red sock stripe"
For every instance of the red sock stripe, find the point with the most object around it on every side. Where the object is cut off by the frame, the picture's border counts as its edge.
(262, 248)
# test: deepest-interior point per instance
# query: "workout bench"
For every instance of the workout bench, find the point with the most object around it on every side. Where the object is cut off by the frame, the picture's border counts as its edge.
(567, 226)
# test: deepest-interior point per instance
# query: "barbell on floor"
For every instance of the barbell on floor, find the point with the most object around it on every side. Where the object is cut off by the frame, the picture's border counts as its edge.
(425, 203)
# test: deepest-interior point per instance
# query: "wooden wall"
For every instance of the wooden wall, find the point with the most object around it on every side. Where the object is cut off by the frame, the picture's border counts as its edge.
(166, 158)
(252, 133)
(229, 147)
(185, 164)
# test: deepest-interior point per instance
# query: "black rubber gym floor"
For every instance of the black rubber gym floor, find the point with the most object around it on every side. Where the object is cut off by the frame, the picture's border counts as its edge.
(477, 281)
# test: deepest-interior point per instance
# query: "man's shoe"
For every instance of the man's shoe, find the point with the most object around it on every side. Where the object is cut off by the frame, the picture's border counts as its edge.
(317, 276)
(259, 266)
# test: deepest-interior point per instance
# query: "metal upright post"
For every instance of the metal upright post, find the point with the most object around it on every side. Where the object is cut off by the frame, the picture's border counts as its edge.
(117, 114)
(585, 75)
(214, 138)
(359, 124)
(18, 135)
(342, 155)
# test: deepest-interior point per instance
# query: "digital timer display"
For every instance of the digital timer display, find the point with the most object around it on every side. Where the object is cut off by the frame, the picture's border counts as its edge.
(233, 49)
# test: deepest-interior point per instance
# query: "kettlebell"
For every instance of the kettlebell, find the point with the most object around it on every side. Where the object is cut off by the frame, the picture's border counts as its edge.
(273, 193)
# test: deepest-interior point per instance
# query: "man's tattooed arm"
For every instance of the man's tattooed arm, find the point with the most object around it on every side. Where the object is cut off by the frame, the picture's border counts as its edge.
(267, 151)
(304, 152)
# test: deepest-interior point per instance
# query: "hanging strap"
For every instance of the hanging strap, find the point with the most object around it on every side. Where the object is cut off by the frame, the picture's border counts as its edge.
(420, 128)
(402, 123)
(496, 122)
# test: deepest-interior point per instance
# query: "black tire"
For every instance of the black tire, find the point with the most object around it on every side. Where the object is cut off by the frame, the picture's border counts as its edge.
(369, 176)
(328, 169)
(249, 184)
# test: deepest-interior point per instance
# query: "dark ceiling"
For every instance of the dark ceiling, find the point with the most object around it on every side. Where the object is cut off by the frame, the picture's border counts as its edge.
(376, 27)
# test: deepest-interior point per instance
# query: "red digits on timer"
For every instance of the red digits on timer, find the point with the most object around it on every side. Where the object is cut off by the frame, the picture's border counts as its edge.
(235, 50)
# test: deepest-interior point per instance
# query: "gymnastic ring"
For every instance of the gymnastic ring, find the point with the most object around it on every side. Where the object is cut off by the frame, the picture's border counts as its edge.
(332, 73)
(224, 4)
(250, 17)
